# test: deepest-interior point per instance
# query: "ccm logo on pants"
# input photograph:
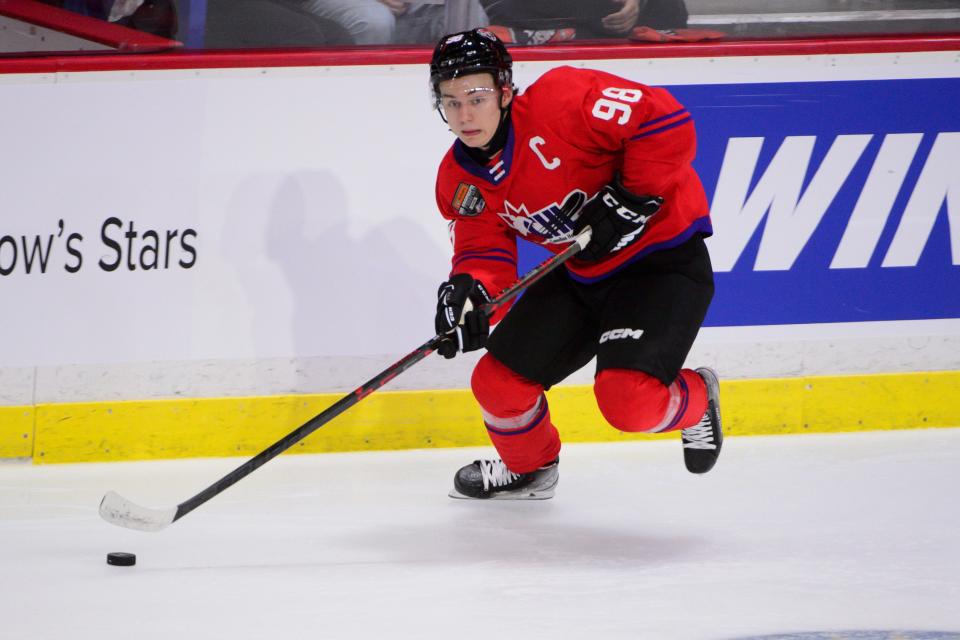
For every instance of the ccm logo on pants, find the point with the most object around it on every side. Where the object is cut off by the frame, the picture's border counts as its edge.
(619, 334)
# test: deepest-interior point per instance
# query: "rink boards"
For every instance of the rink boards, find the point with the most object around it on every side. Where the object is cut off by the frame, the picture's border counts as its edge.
(199, 259)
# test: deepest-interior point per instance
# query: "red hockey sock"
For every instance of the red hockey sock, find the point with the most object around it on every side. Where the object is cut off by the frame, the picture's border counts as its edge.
(635, 401)
(516, 415)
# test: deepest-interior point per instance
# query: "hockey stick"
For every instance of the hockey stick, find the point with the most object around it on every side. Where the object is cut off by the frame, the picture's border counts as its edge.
(117, 510)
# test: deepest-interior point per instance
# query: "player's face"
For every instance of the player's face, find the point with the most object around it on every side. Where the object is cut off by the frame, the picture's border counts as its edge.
(472, 106)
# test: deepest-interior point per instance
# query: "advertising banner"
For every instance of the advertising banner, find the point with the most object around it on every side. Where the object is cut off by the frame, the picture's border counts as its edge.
(213, 215)
(831, 201)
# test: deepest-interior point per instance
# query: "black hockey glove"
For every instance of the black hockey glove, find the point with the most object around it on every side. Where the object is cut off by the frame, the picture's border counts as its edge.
(465, 331)
(617, 218)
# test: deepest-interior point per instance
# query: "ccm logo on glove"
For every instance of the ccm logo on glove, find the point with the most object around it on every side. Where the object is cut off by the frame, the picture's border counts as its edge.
(617, 218)
(627, 214)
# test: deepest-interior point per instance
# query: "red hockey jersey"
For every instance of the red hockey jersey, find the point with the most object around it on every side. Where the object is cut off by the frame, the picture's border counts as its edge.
(571, 131)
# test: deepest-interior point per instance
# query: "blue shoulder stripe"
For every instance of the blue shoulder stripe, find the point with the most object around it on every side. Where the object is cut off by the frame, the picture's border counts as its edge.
(650, 123)
(663, 128)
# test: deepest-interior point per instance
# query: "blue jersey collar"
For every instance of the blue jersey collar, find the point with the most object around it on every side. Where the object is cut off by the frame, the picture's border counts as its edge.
(493, 174)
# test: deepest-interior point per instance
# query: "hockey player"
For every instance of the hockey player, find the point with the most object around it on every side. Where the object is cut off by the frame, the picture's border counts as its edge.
(578, 148)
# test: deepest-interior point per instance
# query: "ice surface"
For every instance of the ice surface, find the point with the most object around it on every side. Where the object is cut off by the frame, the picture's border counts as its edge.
(787, 534)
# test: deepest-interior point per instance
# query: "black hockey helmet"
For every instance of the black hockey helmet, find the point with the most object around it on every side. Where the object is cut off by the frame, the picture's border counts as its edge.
(474, 51)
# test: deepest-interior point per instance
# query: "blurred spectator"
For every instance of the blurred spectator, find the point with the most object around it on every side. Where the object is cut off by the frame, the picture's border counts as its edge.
(663, 14)
(158, 17)
(393, 21)
(535, 21)
(240, 24)
(367, 21)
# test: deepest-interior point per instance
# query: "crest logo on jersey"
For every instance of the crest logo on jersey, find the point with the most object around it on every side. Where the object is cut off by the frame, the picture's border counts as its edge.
(467, 200)
(551, 225)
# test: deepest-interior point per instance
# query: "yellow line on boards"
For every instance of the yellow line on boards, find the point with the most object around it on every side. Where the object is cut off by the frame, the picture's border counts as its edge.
(16, 432)
(386, 420)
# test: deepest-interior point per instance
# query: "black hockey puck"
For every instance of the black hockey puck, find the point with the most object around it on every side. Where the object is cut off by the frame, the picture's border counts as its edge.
(121, 559)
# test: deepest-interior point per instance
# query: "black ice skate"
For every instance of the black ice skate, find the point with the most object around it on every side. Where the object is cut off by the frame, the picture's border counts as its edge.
(702, 441)
(491, 479)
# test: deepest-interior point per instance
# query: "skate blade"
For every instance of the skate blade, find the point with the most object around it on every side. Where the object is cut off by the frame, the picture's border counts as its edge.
(539, 494)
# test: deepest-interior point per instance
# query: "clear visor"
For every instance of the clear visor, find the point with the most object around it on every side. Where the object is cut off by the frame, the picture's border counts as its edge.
(474, 97)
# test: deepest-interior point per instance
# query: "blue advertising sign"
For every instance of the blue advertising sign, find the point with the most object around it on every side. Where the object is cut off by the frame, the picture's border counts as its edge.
(831, 201)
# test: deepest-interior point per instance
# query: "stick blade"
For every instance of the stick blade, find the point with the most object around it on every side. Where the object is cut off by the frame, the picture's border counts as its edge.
(117, 510)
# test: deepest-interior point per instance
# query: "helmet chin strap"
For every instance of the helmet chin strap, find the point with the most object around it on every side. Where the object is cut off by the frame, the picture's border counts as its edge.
(499, 139)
